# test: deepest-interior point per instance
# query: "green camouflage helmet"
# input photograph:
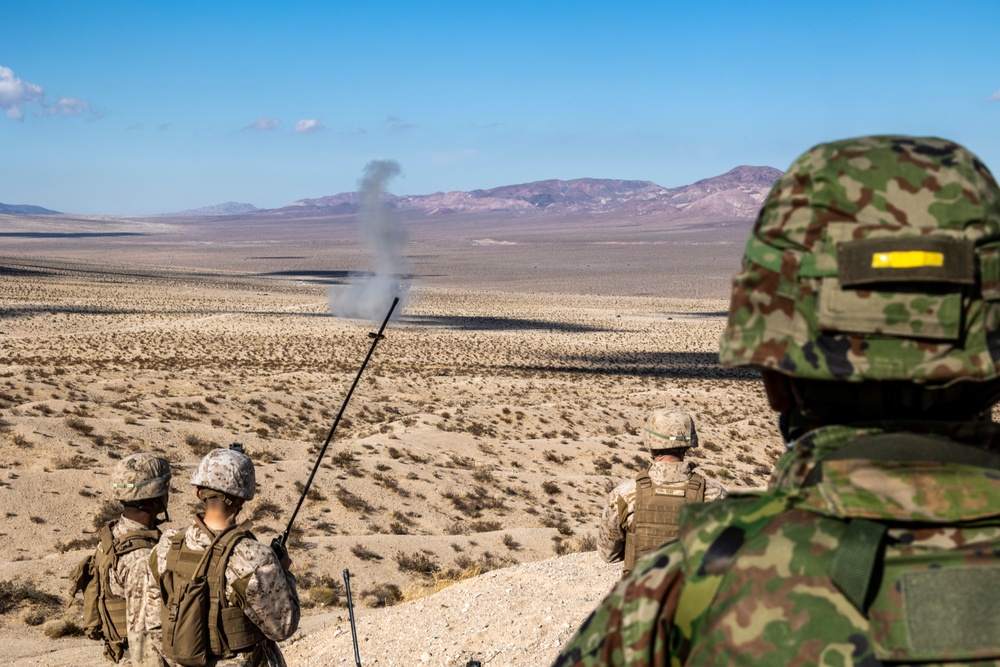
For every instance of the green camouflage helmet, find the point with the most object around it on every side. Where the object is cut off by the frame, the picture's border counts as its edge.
(876, 258)
(140, 477)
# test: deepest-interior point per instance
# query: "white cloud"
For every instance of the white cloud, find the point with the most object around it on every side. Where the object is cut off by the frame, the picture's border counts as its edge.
(16, 93)
(67, 106)
(263, 123)
(308, 125)
(995, 97)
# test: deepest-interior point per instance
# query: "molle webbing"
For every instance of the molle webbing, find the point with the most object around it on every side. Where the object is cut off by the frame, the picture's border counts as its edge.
(229, 630)
(656, 515)
(110, 607)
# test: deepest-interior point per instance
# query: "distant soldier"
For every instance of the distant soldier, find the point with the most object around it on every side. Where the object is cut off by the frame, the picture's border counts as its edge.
(641, 513)
(227, 599)
(119, 589)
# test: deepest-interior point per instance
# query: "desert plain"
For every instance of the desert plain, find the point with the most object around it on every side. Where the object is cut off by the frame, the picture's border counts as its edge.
(471, 466)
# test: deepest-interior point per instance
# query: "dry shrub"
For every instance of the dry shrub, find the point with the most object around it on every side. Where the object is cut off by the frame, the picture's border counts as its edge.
(106, 513)
(324, 591)
(200, 446)
(79, 543)
(464, 568)
(13, 593)
(382, 595)
(61, 628)
(561, 546)
(550, 487)
(80, 426)
(417, 562)
(363, 553)
(266, 509)
(75, 462)
(353, 502)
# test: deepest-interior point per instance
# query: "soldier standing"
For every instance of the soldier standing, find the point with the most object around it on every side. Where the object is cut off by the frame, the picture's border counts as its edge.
(641, 513)
(227, 599)
(119, 589)
(870, 300)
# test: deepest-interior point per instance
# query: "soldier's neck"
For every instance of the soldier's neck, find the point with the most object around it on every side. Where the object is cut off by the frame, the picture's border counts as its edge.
(217, 520)
(139, 516)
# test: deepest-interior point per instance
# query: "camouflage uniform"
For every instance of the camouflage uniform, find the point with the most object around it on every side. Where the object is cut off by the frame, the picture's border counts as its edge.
(255, 582)
(874, 260)
(620, 505)
(132, 580)
(669, 430)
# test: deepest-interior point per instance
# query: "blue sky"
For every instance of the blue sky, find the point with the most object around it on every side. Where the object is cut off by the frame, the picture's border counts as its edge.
(131, 108)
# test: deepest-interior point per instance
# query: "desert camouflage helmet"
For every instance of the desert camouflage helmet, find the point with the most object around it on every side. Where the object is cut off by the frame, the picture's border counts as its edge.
(670, 428)
(140, 477)
(226, 470)
(876, 258)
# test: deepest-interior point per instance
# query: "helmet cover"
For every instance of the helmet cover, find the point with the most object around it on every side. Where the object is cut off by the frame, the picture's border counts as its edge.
(875, 258)
(140, 477)
(670, 428)
(227, 470)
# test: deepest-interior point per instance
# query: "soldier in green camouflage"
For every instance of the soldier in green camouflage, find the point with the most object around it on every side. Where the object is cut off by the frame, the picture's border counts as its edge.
(870, 299)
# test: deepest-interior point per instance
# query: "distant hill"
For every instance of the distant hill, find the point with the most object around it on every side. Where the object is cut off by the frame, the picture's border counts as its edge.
(25, 209)
(737, 194)
(228, 208)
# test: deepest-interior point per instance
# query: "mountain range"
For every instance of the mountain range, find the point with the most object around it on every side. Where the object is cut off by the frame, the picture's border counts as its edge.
(735, 195)
(25, 209)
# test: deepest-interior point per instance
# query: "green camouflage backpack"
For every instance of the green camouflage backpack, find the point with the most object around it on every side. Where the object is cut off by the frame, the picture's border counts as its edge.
(889, 550)
(199, 624)
(104, 613)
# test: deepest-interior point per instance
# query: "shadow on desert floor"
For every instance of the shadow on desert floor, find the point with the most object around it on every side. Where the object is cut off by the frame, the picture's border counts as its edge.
(690, 365)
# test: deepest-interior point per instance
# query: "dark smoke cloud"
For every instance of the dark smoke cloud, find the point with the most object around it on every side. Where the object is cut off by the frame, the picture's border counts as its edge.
(369, 296)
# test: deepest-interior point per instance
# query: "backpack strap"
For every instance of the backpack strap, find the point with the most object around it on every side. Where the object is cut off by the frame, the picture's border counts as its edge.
(137, 539)
(696, 488)
(231, 632)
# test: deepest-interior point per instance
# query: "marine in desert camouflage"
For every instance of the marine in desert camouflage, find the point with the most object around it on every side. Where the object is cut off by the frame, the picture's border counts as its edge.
(259, 600)
(641, 514)
(116, 581)
(870, 300)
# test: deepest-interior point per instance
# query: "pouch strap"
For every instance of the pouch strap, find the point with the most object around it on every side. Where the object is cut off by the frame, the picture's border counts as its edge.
(861, 548)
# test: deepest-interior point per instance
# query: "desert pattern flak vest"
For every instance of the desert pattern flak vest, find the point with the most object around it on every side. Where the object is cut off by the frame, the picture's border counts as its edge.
(200, 626)
(656, 515)
(104, 614)
(889, 553)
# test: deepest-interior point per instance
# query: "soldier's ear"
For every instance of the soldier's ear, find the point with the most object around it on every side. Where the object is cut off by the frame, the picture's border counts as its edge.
(779, 390)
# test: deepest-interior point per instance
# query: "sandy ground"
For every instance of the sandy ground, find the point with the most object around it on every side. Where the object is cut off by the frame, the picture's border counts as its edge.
(485, 434)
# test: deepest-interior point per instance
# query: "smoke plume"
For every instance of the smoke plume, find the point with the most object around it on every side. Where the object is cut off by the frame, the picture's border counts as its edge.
(368, 296)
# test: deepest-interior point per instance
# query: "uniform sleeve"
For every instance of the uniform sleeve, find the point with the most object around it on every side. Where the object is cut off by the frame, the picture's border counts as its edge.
(714, 490)
(271, 599)
(142, 609)
(631, 626)
(610, 535)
